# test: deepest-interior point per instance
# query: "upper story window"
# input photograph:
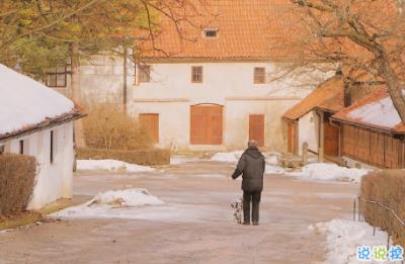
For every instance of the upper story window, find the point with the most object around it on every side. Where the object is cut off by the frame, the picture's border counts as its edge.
(57, 77)
(210, 32)
(259, 75)
(197, 74)
(143, 73)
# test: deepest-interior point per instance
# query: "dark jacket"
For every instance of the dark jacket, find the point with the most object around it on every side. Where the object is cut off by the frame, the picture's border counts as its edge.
(251, 165)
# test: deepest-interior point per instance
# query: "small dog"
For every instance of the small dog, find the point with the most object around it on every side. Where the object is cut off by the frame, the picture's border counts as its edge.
(237, 206)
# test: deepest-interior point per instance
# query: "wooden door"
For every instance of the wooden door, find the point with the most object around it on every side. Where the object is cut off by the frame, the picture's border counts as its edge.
(256, 129)
(206, 124)
(292, 137)
(331, 139)
(150, 122)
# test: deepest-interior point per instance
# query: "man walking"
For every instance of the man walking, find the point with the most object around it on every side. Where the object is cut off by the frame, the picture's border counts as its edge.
(251, 166)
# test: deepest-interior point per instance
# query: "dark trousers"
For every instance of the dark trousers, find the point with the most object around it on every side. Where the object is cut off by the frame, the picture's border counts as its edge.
(254, 198)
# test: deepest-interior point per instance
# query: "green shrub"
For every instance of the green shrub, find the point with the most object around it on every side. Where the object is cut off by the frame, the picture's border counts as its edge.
(17, 179)
(149, 157)
(107, 127)
(387, 188)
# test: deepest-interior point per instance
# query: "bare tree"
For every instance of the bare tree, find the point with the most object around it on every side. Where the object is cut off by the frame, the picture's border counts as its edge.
(365, 37)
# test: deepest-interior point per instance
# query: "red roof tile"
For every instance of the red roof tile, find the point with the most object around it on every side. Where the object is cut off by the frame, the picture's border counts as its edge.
(246, 30)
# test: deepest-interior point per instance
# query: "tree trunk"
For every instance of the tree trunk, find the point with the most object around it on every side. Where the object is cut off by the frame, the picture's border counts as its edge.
(125, 80)
(393, 85)
(76, 93)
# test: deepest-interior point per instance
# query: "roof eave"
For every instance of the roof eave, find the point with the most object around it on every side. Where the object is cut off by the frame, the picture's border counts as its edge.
(71, 116)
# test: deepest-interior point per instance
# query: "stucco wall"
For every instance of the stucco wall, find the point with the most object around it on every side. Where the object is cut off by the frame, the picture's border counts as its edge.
(53, 180)
(170, 93)
(308, 131)
(102, 79)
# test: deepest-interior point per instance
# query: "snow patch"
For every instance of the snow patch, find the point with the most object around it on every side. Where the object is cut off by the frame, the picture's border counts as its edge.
(26, 102)
(231, 157)
(329, 172)
(104, 204)
(111, 165)
(274, 169)
(177, 160)
(344, 236)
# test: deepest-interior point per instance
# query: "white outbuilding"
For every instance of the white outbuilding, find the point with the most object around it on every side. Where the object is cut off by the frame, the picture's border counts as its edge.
(37, 121)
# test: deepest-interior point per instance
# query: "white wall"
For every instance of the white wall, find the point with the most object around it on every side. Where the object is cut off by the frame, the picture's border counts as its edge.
(171, 93)
(102, 79)
(53, 181)
(308, 132)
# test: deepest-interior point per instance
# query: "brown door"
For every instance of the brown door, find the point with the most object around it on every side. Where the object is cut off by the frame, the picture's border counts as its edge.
(150, 122)
(206, 124)
(331, 140)
(256, 129)
(293, 137)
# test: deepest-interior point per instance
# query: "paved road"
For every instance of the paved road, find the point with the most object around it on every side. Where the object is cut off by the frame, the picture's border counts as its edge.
(196, 226)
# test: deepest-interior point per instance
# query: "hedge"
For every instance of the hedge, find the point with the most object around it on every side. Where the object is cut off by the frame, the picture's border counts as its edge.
(150, 157)
(386, 188)
(17, 180)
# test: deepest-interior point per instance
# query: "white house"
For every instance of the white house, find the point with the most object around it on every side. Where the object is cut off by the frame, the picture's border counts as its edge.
(37, 121)
(220, 89)
(211, 89)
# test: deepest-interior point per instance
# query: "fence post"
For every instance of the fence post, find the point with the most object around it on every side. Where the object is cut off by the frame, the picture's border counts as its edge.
(359, 210)
(388, 241)
(354, 210)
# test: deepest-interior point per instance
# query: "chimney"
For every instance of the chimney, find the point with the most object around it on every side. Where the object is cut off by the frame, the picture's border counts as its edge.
(347, 97)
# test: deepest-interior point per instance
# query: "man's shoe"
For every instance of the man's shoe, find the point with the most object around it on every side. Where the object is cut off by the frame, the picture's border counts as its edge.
(256, 223)
(246, 223)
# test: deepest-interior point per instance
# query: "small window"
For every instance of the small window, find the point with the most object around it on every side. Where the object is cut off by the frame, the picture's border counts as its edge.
(197, 74)
(51, 148)
(22, 147)
(2, 149)
(210, 33)
(57, 77)
(259, 75)
(144, 73)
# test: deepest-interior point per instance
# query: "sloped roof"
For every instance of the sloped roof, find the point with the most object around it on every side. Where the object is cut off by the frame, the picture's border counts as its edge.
(246, 30)
(327, 96)
(376, 110)
(26, 104)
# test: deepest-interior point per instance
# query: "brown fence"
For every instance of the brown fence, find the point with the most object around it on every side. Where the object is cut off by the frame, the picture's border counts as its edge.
(150, 157)
(17, 179)
(375, 148)
(383, 203)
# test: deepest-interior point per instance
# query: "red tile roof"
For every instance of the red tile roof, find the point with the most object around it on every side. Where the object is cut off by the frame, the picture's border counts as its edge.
(247, 30)
(376, 111)
(328, 96)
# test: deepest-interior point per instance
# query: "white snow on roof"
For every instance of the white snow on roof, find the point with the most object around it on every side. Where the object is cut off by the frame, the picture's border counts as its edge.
(26, 102)
(381, 113)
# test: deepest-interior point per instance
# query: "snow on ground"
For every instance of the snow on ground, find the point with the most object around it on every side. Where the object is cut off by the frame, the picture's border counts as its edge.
(177, 160)
(344, 236)
(111, 165)
(274, 169)
(231, 157)
(272, 160)
(329, 172)
(106, 205)
(26, 102)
